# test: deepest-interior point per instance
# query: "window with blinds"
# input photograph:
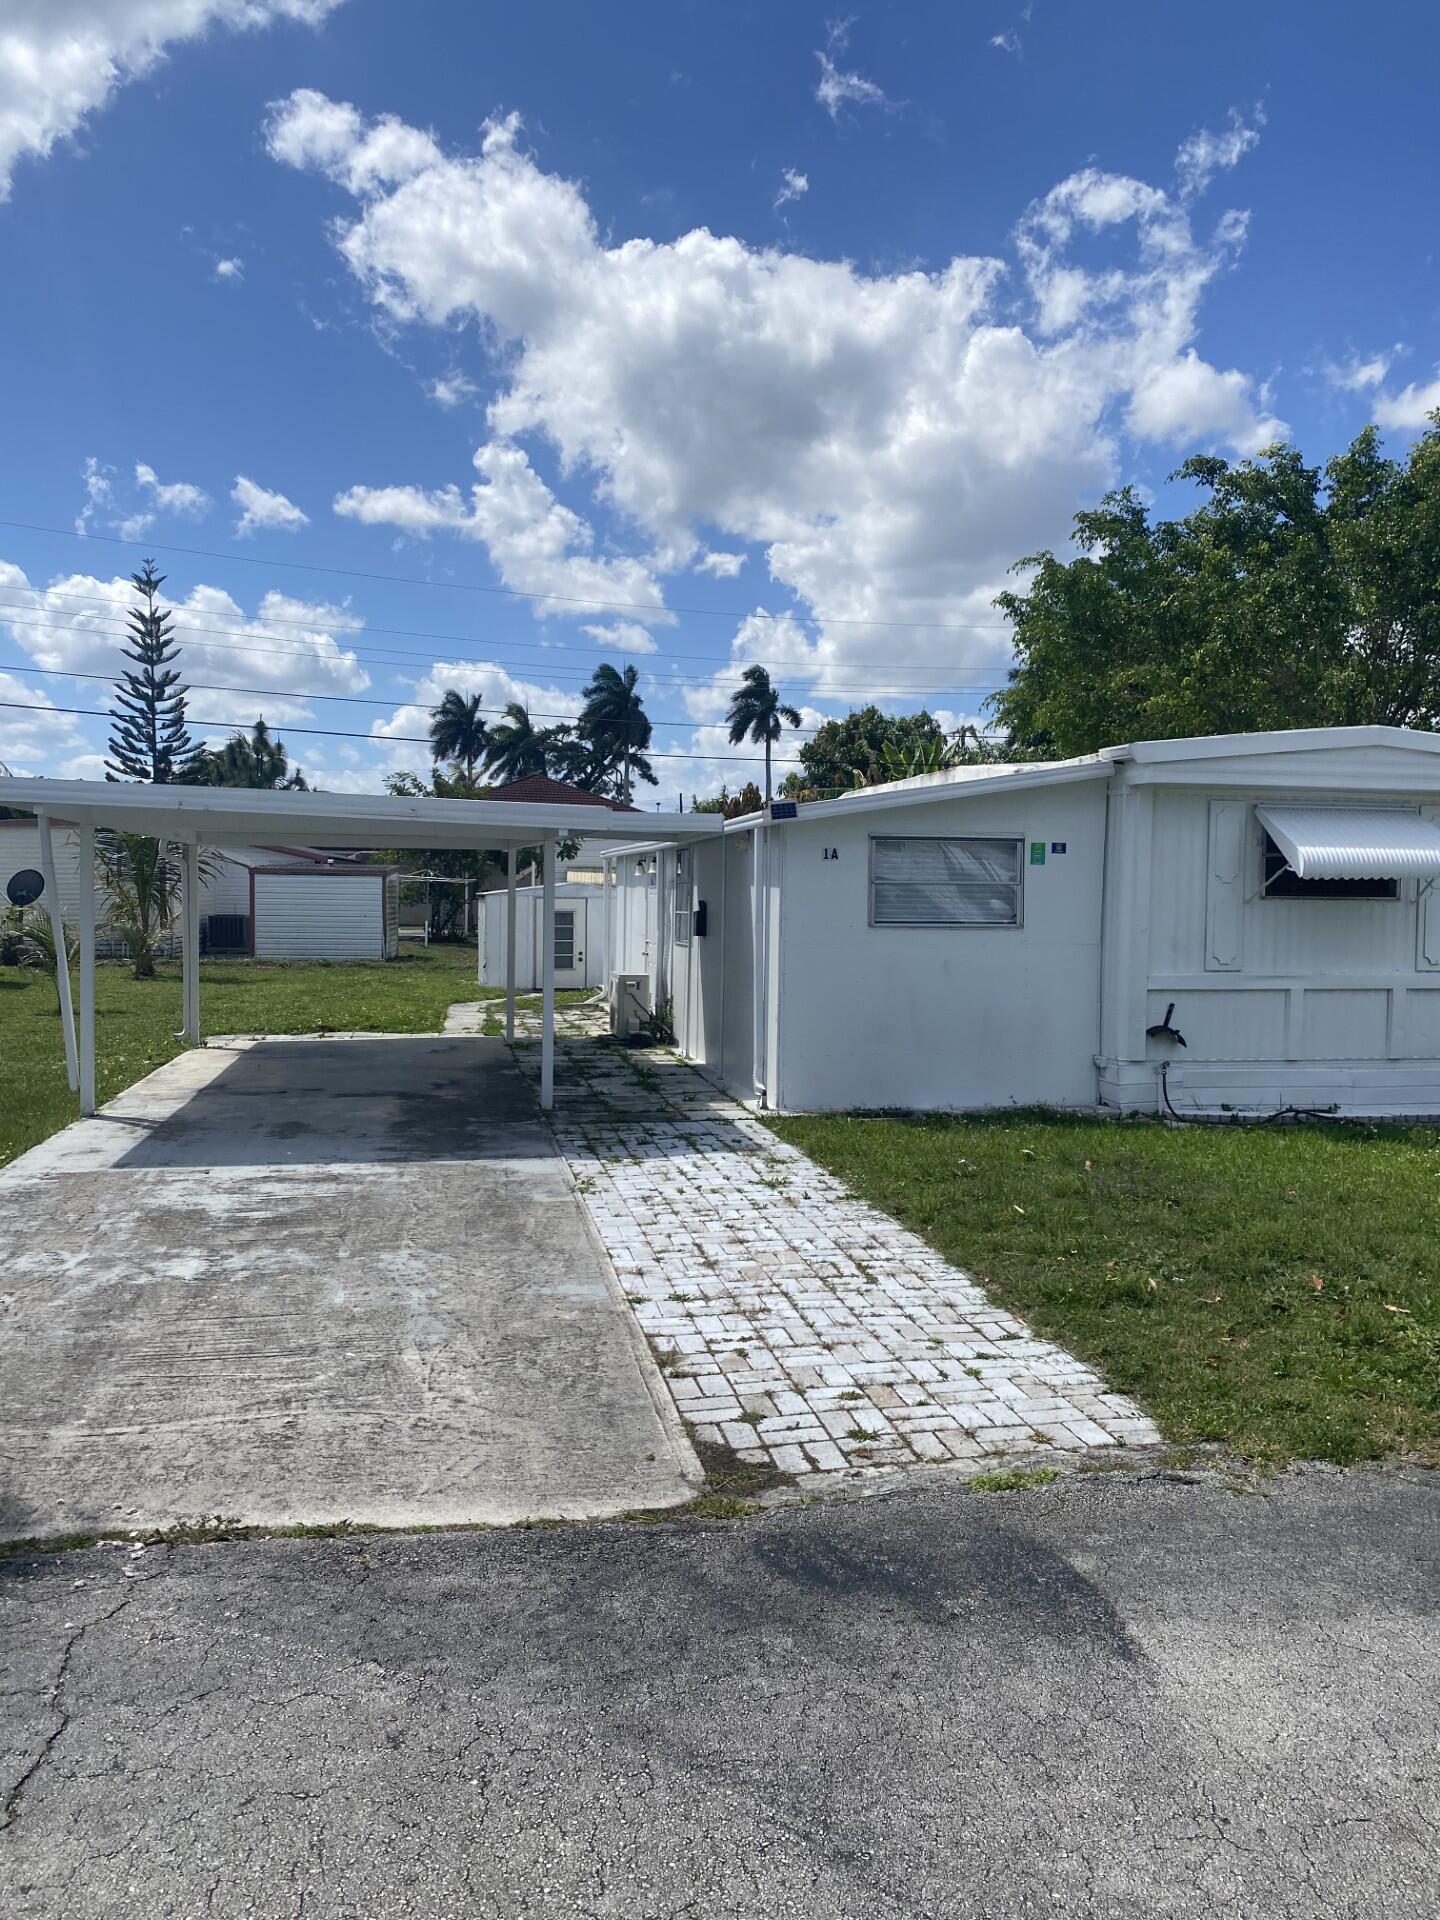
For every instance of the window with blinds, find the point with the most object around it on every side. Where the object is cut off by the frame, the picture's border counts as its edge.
(920, 881)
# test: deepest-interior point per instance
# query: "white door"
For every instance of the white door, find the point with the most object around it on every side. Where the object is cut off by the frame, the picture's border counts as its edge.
(570, 944)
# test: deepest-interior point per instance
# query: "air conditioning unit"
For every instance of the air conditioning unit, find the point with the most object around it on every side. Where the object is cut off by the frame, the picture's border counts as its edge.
(629, 997)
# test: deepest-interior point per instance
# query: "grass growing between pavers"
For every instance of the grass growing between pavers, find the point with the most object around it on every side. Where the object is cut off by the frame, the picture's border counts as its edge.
(1273, 1290)
(494, 1022)
(137, 1021)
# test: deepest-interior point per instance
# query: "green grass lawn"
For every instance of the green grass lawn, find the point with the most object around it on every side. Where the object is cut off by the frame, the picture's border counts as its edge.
(137, 1020)
(1277, 1290)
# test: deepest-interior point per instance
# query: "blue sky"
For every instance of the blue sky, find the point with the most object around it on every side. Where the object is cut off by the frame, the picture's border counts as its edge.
(468, 345)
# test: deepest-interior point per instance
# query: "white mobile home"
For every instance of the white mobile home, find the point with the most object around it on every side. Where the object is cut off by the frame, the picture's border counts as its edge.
(1239, 924)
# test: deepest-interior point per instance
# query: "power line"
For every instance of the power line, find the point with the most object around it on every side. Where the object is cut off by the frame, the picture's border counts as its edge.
(471, 586)
(341, 699)
(378, 739)
(344, 628)
(111, 631)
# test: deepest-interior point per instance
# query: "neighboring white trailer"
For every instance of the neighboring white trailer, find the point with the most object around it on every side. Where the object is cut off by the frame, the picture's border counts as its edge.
(579, 936)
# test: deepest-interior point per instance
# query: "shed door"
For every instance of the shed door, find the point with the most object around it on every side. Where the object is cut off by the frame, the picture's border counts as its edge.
(570, 944)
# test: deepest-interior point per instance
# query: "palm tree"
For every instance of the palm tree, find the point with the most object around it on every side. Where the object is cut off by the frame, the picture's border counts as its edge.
(458, 733)
(515, 748)
(617, 726)
(255, 759)
(142, 880)
(758, 713)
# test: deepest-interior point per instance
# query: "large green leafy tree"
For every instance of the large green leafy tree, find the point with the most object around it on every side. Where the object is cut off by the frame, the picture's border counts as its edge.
(861, 749)
(256, 759)
(149, 740)
(1291, 596)
(758, 713)
(615, 725)
(458, 734)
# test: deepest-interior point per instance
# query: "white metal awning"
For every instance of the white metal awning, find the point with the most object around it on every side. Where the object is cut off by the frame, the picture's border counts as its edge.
(1354, 843)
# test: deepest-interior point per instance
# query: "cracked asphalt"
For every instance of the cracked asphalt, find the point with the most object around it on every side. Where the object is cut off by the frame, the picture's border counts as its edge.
(1110, 1696)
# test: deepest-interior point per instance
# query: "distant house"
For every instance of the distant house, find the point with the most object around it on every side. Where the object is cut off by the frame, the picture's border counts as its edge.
(579, 901)
(277, 903)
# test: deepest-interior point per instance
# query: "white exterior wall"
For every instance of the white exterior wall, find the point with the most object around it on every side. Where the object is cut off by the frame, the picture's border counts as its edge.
(939, 1017)
(331, 914)
(635, 922)
(1281, 1001)
(494, 914)
(697, 967)
(737, 1036)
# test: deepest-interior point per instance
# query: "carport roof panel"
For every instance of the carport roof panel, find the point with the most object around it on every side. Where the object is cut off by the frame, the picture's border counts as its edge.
(242, 815)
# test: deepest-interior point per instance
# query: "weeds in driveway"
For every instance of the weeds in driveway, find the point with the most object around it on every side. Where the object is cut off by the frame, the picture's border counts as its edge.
(1012, 1479)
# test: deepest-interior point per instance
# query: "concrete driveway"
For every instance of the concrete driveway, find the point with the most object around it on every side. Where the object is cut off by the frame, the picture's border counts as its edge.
(307, 1280)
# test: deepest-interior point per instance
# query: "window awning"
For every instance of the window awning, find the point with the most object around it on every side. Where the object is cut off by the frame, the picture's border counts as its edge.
(1354, 843)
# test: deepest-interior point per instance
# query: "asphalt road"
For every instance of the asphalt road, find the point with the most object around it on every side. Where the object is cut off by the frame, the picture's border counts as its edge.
(1104, 1697)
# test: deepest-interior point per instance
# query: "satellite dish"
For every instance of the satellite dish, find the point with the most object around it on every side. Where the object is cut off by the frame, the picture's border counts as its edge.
(25, 887)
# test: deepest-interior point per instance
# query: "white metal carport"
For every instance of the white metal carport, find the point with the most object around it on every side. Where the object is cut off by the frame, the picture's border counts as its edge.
(192, 817)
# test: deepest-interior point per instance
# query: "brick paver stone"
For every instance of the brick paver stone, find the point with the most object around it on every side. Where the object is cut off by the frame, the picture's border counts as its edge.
(792, 1321)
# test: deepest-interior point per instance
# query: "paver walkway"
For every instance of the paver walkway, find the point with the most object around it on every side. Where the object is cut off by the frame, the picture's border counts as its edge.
(794, 1323)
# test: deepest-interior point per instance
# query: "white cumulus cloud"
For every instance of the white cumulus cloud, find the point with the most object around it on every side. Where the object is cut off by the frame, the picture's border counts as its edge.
(77, 624)
(60, 60)
(261, 508)
(179, 497)
(623, 636)
(33, 743)
(720, 565)
(537, 545)
(1411, 407)
(891, 441)
(451, 390)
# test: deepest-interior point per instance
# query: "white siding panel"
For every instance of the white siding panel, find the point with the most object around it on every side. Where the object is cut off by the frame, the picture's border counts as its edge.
(1419, 1024)
(1345, 1023)
(319, 916)
(20, 848)
(1221, 1024)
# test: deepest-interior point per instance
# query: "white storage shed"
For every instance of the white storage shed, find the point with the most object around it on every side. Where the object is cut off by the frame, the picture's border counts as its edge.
(325, 913)
(579, 936)
(1048, 933)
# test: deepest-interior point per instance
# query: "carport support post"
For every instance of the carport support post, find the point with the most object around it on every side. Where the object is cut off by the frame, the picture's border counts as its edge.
(56, 915)
(510, 907)
(547, 982)
(86, 838)
(190, 939)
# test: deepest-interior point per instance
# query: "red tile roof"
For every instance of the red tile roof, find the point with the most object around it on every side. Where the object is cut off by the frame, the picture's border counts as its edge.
(539, 788)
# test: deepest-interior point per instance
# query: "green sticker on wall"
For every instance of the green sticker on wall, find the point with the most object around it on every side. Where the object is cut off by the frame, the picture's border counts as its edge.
(1037, 853)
